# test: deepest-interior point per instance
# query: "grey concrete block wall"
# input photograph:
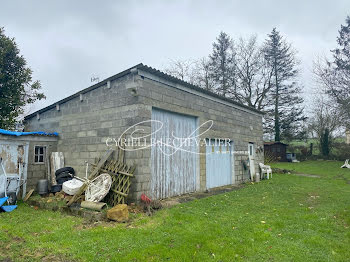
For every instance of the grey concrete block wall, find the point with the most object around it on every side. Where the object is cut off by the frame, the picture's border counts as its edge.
(240, 125)
(84, 126)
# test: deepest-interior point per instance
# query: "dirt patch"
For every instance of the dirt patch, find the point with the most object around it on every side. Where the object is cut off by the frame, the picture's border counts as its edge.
(307, 175)
(6, 260)
(292, 172)
(89, 225)
(59, 204)
(198, 195)
(343, 177)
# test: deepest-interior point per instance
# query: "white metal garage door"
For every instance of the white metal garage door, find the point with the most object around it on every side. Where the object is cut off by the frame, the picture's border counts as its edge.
(218, 164)
(174, 169)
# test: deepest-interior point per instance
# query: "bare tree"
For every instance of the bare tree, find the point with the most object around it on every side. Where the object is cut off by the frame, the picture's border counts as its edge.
(202, 76)
(196, 72)
(182, 69)
(333, 84)
(253, 74)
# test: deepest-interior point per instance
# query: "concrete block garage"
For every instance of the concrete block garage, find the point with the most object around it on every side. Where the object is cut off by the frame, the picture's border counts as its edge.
(140, 98)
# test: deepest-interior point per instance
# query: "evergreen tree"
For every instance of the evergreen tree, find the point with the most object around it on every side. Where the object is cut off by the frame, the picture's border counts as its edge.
(222, 69)
(340, 84)
(16, 86)
(285, 116)
(325, 143)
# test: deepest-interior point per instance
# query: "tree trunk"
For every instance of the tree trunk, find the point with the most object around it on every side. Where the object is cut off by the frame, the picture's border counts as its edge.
(277, 119)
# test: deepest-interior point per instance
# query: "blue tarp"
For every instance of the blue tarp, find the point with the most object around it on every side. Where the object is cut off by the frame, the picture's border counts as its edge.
(6, 208)
(14, 133)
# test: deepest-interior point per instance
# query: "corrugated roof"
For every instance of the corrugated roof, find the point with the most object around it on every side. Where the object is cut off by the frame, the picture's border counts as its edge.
(149, 70)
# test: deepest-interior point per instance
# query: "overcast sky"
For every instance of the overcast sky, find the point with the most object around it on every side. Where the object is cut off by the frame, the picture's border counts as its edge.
(67, 42)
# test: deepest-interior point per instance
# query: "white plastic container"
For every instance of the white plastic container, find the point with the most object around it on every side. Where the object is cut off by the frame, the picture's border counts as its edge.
(70, 187)
(257, 177)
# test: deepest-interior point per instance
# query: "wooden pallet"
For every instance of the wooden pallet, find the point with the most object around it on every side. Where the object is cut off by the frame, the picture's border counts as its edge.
(121, 175)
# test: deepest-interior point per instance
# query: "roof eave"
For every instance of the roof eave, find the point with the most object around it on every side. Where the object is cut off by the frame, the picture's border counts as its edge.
(88, 89)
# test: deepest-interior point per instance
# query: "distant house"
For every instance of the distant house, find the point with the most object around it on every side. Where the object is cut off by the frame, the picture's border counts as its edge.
(276, 149)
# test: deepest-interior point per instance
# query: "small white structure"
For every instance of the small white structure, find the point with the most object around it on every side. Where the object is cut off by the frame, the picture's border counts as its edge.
(265, 169)
(346, 164)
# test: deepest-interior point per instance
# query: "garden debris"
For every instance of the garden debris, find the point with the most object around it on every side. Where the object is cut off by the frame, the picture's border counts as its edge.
(146, 203)
(98, 188)
(135, 209)
(118, 213)
(71, 187)
(95, 172)
(56, 162)
(28, 195)
(120, 174)
(98, 206)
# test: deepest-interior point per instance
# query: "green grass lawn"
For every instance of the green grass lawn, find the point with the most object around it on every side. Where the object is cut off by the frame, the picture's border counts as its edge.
(288, 218)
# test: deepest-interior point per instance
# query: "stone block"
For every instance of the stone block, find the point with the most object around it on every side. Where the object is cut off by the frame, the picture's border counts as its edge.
(118, 213)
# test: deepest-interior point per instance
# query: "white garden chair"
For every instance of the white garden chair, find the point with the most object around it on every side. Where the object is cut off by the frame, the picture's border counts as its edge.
(265, 169)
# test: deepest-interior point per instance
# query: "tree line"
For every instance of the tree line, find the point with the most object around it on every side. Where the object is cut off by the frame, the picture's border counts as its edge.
(262, 76)
(331, 109)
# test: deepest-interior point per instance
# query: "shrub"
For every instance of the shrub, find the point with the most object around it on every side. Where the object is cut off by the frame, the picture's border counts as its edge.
(341, 151)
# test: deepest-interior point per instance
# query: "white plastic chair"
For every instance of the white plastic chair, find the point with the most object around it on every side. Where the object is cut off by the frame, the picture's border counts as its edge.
(265, 169)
